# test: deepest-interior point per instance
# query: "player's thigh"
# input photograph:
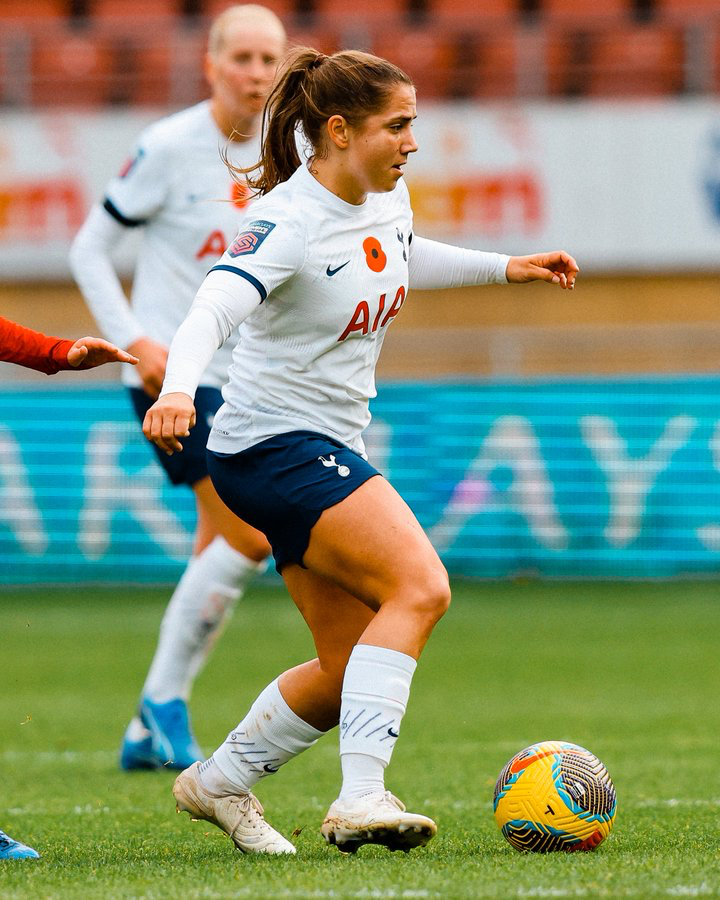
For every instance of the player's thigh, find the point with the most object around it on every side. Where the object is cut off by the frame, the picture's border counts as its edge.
(214, 518)
(335, 617)
(371, 545)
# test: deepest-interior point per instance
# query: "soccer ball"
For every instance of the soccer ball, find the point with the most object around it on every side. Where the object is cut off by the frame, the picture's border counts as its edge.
(554, 796)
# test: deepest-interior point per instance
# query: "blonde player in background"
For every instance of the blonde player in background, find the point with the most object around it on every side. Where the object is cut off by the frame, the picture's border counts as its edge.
(177, 189)
(320, 269)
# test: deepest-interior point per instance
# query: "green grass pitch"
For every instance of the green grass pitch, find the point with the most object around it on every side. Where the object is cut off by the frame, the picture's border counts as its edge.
(630, 671)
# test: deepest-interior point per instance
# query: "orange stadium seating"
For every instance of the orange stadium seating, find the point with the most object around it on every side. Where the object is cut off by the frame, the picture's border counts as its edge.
(425, 52)
(339, 9)
(34, 10)
(641, 61)
(572, 11)
(283, 8)
(468, 15)
(485, 65)
(133, 10)
(74, 71)
(567, 61)
(688, 7)
(142, 52)
(320, 38)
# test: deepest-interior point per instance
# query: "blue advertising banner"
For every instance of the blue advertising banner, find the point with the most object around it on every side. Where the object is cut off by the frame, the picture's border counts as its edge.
(601, 479)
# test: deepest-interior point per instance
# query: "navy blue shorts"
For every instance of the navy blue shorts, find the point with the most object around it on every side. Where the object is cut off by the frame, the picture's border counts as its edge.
(282, 485)
(190, 466)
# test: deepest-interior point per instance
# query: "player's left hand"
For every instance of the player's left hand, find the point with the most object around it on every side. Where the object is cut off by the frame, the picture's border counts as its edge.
(89, 352)
(169, 418)
(556, 267)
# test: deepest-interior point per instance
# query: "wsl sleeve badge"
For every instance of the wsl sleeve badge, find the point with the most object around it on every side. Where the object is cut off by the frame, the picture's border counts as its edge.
(554, 796)
(249, 241)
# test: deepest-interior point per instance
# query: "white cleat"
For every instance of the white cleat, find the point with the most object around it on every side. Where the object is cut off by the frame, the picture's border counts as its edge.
(240, 815)
(375, 819)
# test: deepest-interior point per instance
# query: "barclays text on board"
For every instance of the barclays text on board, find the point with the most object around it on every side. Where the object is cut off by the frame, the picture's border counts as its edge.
(616, 478)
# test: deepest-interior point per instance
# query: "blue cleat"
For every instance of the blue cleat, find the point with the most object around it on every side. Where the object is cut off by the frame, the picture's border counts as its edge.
(137, 748)
(10, 849)
(173, 744)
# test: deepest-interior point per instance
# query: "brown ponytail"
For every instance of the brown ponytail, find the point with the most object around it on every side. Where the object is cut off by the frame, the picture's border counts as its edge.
(310, 88)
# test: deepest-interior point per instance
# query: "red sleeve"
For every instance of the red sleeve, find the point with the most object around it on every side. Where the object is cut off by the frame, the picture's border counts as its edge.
(32, 349)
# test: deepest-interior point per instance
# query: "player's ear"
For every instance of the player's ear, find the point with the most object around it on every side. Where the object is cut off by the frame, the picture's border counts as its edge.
(337, 129)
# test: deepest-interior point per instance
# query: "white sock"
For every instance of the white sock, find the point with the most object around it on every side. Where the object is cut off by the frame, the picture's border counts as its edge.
(201, 604)
(375, 693)
(269, 735)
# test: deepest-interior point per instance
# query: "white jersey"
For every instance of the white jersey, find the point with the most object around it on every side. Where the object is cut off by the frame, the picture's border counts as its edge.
(332, 277)
(178, 188)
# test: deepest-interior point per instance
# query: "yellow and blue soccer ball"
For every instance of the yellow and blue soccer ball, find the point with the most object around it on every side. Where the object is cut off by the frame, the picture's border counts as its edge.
(554, 796)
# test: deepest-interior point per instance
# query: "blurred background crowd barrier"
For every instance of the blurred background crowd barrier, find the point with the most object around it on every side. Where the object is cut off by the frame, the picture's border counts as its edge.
(533, 432)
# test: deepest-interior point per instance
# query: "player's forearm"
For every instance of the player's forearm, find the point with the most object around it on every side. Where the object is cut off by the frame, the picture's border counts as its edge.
(192, 348)
(436, 265)
(221, 304)
(32, 349)
(95, 274)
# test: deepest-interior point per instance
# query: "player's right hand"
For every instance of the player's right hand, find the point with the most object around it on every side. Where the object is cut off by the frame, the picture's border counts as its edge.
(151, 367)
(169, 418)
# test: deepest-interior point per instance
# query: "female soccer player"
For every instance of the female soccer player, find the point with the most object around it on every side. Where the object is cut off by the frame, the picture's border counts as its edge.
(50, 355)
(318, 272)
(177, 188)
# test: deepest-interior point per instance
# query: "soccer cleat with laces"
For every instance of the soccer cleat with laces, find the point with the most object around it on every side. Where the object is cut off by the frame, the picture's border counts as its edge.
(10, 849)
(240, 816)
(375, 819)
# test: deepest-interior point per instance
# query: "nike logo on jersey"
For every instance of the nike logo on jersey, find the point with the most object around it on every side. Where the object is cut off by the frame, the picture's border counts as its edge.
(330, 272)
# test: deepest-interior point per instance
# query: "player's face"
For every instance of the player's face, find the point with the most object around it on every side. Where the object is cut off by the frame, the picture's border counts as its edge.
(380, 146)
(242, 72)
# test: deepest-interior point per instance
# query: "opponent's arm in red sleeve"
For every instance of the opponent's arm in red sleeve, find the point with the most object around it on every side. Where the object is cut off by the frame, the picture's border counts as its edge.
(32, 348)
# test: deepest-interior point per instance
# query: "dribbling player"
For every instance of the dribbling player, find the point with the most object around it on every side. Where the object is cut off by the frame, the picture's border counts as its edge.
(319, 271)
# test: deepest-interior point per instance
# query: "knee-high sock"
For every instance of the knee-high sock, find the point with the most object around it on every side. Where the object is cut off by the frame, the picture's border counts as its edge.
(270, 735)
(202, 603)
(375, 693)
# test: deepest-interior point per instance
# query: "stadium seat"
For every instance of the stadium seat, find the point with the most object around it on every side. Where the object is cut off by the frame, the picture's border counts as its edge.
(566, 56)
(471, 16)
(36, 10)
(133, 10)
(574, 11)
(321, 38)
(73, 71)
(715, 59)
(169, 73)
(496, 65)
(282, 8)
(426, 53)
(688, 8)
(639, 61)
(350, 12)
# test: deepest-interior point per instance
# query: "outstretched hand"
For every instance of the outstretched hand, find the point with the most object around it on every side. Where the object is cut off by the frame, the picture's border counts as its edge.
(169, 418)
(556, 267)
(89, 352)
